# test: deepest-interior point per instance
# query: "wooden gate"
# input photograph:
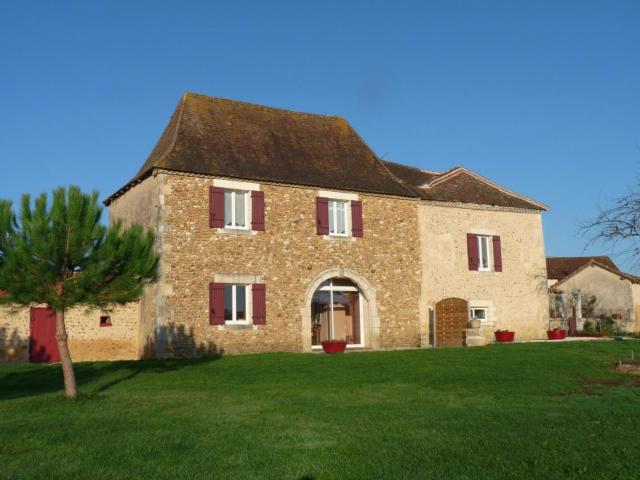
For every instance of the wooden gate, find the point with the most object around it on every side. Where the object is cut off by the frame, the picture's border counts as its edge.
(42, 336)
(452, 317)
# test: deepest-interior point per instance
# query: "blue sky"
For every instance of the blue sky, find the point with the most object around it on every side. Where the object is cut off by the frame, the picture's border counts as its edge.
(542, 97)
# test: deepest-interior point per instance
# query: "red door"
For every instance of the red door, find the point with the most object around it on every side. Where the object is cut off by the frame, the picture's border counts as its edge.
(42, 338)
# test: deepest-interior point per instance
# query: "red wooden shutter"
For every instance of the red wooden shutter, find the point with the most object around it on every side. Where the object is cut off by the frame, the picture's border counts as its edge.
(257, 211)
(259, 304)
(497, 254)
(472, 251)
(322, 216)
(356, 218)
(216, 207)
(216, 303)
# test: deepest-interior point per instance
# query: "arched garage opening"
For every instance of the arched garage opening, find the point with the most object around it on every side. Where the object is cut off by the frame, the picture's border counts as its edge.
(340, 304)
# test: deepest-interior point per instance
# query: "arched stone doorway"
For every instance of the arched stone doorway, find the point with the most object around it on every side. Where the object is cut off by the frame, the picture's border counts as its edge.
(452, 317)
(340, 304)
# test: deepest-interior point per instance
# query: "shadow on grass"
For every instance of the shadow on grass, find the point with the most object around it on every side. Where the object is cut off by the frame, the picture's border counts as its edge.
(28, 380)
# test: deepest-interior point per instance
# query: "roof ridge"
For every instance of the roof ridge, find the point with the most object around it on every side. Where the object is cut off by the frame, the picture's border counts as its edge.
(258, 106)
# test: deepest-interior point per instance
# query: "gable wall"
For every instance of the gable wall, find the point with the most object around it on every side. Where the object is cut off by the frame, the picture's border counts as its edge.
(142, 204)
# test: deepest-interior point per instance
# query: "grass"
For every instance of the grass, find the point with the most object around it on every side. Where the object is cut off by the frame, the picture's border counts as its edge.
(503, 411)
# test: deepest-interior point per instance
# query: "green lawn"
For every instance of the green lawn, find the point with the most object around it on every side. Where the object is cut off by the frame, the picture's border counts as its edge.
(503, 411)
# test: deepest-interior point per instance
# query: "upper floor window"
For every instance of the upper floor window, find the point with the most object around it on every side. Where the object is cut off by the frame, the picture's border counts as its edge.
(483, 253)
(337, 217)
(236, 211)
(340, 216)
(236, 206)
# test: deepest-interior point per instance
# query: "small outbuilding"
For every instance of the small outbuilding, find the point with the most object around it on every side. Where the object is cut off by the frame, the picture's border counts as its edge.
(604, 289)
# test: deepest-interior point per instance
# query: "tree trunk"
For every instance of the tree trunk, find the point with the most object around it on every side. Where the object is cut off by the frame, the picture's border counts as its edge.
(70, 388)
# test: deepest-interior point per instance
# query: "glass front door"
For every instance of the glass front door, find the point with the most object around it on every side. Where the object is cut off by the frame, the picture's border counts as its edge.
(336, 313)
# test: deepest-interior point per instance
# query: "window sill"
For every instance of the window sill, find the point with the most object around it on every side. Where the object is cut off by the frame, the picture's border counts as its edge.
(340, 238)
(106, 325)
(232, 326)
(236, 231)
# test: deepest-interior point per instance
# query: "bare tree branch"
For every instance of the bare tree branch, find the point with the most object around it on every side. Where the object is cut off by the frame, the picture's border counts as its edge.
(617, 225)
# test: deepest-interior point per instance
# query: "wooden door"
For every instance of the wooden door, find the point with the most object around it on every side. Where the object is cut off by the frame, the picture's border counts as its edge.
(452, 317)
(42, 336)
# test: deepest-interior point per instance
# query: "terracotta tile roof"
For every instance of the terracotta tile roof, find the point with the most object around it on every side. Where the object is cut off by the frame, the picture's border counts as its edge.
(227, 138)
(410, 175)
(460, 185)
(215, 136)
(559, 267)
(593, 262)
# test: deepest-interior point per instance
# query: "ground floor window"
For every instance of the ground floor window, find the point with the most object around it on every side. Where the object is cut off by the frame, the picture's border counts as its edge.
(235, 304)
(478, 313)
(336, 313)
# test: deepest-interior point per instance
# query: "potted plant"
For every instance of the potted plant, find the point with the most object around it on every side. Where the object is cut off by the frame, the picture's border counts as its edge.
(475, 323)
(504, 336)
(334, 346)
(556, 334)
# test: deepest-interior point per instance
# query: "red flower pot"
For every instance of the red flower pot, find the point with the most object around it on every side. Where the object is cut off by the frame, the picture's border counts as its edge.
(505, 336)
(556, 334)
(334, 346)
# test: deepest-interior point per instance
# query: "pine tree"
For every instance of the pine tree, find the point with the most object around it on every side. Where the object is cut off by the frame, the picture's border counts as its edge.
(60, 255)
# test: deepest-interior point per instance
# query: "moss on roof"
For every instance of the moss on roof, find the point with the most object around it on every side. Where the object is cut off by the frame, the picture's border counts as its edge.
(227, 138)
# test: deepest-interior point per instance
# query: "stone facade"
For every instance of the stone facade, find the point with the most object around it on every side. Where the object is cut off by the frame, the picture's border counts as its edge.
(289, 257)
(516, 298)
(87, 339)
(412, 255)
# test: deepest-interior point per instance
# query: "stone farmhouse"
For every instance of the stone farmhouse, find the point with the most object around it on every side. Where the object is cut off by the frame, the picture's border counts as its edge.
(279, 230)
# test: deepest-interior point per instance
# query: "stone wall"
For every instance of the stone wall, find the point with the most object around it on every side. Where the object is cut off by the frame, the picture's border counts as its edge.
(87, 339)
(14, 334)
(288, 257)
(143, 204)
(516, 298)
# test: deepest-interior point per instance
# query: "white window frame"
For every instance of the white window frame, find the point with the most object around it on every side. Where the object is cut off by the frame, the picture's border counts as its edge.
(481, 257)
(247, 210)
(484, 309)
(343, 288)
(347, 216)
(247, 307)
